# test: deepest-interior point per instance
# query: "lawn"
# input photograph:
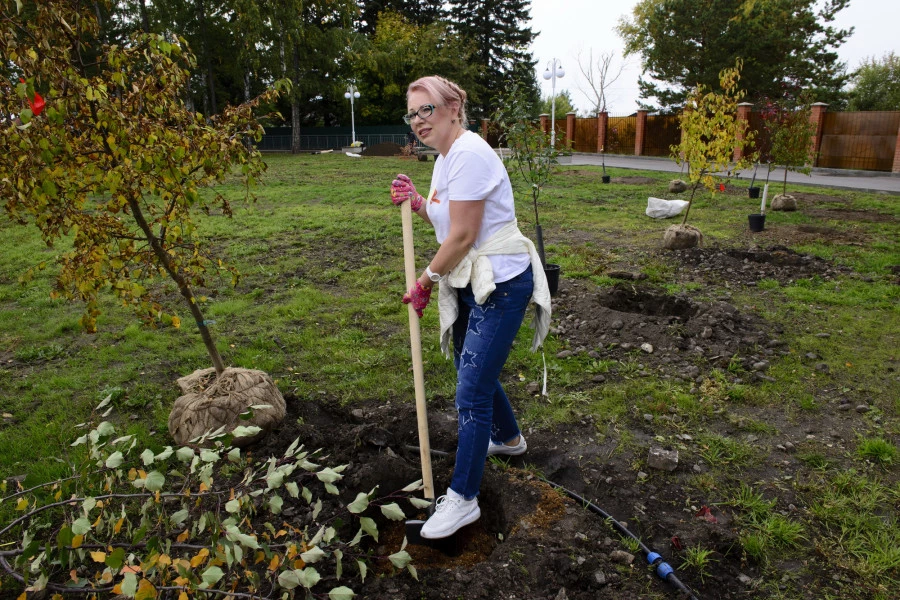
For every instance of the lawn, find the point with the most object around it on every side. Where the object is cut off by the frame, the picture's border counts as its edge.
(772, 370)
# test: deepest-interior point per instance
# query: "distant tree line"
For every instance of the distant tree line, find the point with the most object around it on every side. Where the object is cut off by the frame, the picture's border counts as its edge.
(322, 46)
(786, 46)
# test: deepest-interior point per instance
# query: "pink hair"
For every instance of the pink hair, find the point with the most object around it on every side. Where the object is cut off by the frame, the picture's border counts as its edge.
(442, 91)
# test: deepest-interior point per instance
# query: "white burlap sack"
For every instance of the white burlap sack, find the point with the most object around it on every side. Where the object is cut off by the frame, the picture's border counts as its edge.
(663, 209)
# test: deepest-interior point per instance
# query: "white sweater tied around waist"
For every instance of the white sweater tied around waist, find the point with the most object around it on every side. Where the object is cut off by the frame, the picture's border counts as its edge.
(475, 269)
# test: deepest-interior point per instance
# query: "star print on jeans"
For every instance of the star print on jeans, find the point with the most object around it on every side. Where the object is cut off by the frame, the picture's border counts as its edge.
(466, 358)
(476, 318)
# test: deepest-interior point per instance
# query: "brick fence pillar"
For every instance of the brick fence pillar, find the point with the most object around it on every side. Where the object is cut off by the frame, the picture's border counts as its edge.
(896, 167)
(485, 124)
(545, 123)
(743, 116)
(570, 131)
(817, 119)
(640, 131)
(602, 123)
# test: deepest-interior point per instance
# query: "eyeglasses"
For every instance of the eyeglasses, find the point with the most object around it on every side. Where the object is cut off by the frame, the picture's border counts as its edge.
(425, 111)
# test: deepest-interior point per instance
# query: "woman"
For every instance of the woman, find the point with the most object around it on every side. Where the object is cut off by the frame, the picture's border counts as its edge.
(488, 272)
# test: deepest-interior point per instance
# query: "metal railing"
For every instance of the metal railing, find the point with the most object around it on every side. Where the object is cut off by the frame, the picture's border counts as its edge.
(308, 143)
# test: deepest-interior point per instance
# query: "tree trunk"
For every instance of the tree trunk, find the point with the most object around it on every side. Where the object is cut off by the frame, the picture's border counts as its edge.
(183, 286)
(145, 17)
(206, 112)
(690, 202)
(209, 80)
(295, 105)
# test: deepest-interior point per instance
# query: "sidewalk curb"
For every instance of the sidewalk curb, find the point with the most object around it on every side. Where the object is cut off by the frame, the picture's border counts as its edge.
(864, 181)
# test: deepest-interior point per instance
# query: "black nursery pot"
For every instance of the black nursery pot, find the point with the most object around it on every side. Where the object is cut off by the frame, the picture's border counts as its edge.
(605, 178)
(552, 273)
(754, 192)
(757, 222)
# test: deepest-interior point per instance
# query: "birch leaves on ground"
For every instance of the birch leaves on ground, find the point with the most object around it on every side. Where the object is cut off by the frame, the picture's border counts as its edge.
(138, 522)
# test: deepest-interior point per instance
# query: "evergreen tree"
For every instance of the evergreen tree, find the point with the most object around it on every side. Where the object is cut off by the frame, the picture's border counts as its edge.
(417, 12)
(400, 52)
(564, 104)
(784, 45)
(499, 36)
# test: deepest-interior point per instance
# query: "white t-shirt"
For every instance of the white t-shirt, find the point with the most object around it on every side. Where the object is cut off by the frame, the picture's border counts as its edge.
(473, 171)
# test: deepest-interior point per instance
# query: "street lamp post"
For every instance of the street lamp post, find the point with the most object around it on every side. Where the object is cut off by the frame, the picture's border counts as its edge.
(554, 70)
(351, 94)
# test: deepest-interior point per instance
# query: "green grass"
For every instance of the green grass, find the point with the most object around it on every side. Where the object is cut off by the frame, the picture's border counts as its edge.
(861, 534)
(719, 451)
(317, 307)
(764, 532)
(877, 450)
(699, 559)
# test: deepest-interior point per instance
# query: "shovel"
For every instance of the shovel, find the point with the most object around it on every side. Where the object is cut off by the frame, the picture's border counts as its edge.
(449, 544)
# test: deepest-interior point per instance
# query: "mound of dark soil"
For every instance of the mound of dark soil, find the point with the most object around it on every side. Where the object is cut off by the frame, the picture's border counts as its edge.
(532, 541)
(651, 332)
(383, 149)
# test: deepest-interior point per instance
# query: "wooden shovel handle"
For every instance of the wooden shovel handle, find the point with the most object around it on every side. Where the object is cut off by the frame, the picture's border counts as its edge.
(415, 342)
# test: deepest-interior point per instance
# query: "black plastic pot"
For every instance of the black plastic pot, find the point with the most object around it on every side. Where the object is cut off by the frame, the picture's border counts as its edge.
(754, 191)
(552, 273)
(605, 178)
(757, 222)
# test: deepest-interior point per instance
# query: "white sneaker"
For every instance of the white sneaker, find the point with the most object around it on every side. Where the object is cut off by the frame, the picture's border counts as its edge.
(451, 513)
(495, 448)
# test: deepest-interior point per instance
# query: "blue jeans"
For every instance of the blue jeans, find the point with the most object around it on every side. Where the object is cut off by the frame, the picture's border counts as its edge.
(482, 338)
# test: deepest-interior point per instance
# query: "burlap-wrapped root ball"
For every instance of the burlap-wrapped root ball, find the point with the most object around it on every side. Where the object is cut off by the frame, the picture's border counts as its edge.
(209, 402)
(784, 202)
(676, 186)
(679, 237)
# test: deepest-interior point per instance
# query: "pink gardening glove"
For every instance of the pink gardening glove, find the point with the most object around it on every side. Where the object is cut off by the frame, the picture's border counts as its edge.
(418, 296)
(402, 189)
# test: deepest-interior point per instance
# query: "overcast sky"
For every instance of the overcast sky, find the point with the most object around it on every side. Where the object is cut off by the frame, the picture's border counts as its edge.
(567, 27)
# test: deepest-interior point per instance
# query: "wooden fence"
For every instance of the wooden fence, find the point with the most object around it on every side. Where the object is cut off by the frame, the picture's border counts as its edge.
(847, 140)
(859, 140)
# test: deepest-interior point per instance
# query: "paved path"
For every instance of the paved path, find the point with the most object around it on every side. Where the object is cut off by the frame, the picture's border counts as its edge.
(867, 181)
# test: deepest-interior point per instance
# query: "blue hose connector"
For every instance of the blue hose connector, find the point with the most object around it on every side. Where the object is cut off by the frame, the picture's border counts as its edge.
(663, 569)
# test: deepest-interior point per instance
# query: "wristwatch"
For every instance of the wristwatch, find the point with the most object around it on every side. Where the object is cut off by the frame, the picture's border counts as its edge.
(434, 277)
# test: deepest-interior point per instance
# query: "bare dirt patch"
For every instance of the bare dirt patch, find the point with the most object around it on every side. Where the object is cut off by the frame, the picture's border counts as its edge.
(790, 235)
(635, 180)
(813, 199)
(842, 214)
